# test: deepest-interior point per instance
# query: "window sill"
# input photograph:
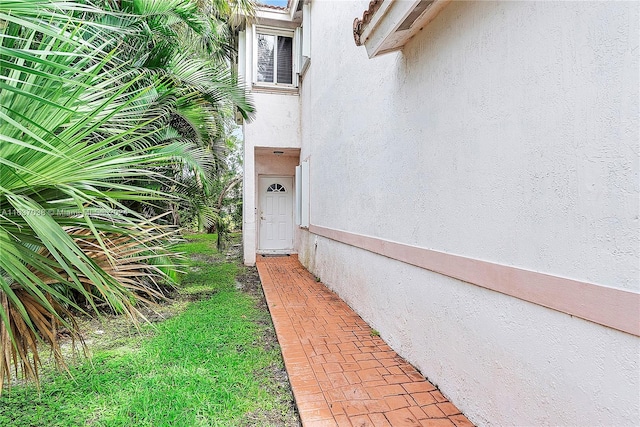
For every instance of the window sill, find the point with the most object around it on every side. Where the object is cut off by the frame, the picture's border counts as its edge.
(387, 25)
(275, 89)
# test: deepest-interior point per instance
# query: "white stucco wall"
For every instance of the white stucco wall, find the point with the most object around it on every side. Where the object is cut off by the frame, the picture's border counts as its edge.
(277, 121)
(276, 125)
(502, 361)
(506, 132)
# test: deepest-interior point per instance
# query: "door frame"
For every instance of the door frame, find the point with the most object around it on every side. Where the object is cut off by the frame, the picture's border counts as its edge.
(259, 210)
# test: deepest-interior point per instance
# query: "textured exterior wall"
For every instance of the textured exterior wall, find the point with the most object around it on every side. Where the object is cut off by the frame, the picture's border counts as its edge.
(276, 125)
(503, 361)
(506, 132)
(277, 121)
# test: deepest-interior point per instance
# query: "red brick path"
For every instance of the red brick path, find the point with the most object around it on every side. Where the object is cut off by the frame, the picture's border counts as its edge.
(340, 374)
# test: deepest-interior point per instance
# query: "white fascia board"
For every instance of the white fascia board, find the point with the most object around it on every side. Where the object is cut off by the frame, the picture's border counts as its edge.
(382, 34)
(293, 7)
(272, 14)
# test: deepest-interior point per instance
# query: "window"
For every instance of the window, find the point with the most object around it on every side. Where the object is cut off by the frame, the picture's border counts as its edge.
(274, 59)
(276, 188)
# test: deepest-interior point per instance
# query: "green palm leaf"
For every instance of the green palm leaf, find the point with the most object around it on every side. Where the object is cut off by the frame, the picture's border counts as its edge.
(88, 100)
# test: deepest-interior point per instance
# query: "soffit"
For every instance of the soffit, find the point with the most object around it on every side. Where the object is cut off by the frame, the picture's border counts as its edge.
(387, 25)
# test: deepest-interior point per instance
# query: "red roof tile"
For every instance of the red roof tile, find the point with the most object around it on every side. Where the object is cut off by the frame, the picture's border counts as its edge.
(359, 24)
(269, 6)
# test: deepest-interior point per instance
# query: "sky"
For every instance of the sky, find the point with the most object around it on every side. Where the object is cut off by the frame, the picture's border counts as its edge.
(280, 3)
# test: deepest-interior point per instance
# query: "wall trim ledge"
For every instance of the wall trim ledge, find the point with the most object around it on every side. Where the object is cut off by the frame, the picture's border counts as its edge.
(612, 307)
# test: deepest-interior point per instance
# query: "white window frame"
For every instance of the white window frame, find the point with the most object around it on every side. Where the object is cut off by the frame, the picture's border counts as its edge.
(270, 31)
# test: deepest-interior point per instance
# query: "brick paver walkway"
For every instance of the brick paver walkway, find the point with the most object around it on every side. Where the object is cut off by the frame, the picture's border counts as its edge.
(340, 374)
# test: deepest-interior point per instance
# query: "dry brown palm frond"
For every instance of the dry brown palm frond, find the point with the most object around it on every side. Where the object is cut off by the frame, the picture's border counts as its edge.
(127, 259)
(22, 352)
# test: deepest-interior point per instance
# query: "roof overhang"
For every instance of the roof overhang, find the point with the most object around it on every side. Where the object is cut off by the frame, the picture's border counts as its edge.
(388, 24)
(276, 15)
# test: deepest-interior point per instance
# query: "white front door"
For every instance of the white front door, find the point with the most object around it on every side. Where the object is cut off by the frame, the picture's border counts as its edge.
(275, 214)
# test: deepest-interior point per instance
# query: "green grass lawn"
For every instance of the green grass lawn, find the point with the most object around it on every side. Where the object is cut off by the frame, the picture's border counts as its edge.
(203, 367)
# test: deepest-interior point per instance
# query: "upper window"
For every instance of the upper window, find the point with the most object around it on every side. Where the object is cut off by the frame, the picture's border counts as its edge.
(274, 59)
